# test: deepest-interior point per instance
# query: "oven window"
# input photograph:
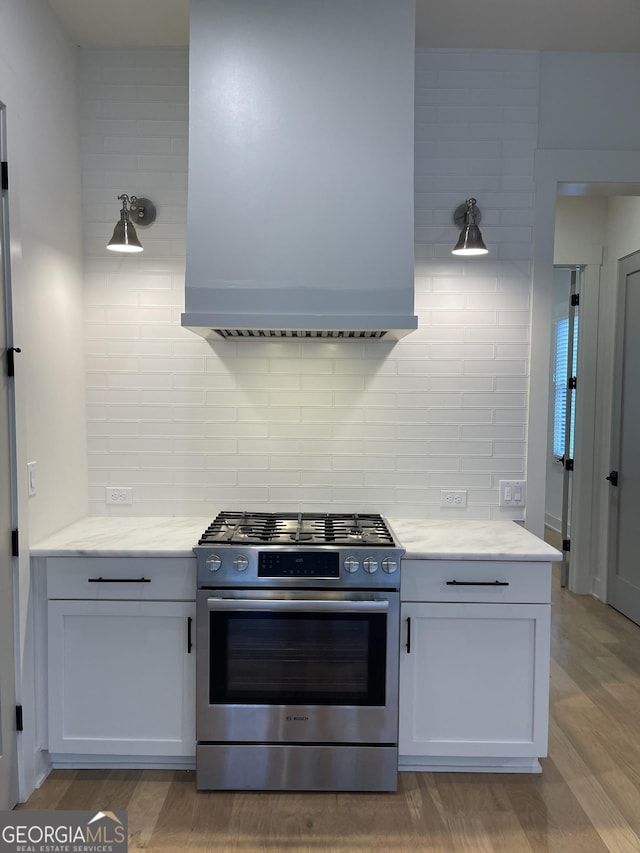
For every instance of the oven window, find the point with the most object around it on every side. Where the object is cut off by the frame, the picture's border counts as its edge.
(297, 658)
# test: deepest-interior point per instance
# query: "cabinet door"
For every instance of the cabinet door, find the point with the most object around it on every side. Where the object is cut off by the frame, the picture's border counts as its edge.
(475, 681)
(121, 678)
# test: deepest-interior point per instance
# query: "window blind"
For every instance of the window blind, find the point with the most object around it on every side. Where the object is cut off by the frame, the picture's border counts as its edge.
(560, 383)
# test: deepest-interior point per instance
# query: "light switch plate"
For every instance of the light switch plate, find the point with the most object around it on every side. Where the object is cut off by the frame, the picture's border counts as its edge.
(512, 492)
(31, 479)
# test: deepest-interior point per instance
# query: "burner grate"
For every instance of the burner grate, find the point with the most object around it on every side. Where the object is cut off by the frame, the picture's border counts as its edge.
(266, 528)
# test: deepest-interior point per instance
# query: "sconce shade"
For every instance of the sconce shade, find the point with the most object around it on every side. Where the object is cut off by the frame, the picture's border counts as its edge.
(124, 238)
(470, 241)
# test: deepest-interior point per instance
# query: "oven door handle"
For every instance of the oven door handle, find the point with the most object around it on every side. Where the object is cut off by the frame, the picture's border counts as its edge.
(297, 605)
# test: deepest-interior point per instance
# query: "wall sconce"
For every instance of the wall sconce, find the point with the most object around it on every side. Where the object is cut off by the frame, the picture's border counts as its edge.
(470, 242)
(142, 212)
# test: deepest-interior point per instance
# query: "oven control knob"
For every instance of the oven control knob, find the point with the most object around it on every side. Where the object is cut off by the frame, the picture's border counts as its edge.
(213, 563)
(351, 565)
(390, 566)
(240, 564)
(370, 565)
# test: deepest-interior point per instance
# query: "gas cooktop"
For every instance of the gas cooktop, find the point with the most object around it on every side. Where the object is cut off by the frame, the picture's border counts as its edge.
(304, 528)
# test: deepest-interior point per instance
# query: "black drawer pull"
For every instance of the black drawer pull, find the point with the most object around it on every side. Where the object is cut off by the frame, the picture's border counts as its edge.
(408, 635)
(189, 640)
(477, 583)
(119, 580)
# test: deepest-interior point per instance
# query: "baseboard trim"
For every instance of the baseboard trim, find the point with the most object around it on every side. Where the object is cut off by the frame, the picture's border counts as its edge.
(121, 762)
(468, 765)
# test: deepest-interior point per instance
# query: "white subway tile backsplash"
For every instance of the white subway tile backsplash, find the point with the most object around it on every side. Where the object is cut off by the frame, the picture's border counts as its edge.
(240, 430)
(512, 383)
(195, 425)
(461, 416)
(482, 463)
(462, 383)
(309, 414)
(134, 380)
(497, 367)
(364, 463)
(492, 432)
(347, 399)
(268, 478)
(282, 397)
(301, 463)
(269, 415)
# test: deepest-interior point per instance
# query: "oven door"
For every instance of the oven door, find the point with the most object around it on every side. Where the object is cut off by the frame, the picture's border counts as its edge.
(280, 666)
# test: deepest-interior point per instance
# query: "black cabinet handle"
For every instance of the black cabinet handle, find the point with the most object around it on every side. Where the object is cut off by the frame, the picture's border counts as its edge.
(613, 478)
(477, 583)
(189, 642)
(408, 635)
(119, 580)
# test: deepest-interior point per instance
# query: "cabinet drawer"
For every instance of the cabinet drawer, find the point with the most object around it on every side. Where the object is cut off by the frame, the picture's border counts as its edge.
(492, 581)
(133, 578)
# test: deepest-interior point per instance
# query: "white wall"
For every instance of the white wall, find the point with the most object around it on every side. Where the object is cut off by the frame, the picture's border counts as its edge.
(622, 236)
(589, 101)
(38, 86)
(193, 427)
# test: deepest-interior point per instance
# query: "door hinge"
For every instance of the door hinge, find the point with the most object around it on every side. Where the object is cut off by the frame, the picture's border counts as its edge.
(573, 382)
(15, 543)
(568, 464)
(566, 544)
(19, 723)
(4, 175)
(575, 299)
(11, 361)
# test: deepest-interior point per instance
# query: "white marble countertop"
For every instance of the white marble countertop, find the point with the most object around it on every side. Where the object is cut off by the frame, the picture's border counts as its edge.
(175, 537)
(124, 537)
(434, 539)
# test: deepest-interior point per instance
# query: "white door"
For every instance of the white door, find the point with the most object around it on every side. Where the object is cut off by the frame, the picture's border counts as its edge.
(8, 743)
(624, 477)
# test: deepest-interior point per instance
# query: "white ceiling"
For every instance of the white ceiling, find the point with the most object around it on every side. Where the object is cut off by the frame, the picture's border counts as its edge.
(592, 25)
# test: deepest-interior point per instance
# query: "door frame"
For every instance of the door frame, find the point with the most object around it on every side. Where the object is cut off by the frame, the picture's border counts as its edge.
(12, 749)
(619, 172)
(583, 512)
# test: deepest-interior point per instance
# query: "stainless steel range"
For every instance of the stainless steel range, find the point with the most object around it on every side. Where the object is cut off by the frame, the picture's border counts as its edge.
(297, 652)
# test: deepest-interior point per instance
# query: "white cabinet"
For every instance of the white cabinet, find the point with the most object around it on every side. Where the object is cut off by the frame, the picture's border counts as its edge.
(121, 659)
(474, 665)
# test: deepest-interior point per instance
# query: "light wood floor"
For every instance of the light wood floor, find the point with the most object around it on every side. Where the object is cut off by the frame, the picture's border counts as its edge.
(587, 799)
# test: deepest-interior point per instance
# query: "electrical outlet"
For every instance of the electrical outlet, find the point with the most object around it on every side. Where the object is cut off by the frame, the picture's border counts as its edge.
(122, 495)
(512, 492)
(457, 498)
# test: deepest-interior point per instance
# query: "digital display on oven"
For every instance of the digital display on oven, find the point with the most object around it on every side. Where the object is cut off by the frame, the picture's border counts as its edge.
(288, 564)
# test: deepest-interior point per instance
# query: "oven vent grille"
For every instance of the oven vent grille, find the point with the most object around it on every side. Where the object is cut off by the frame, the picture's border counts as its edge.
(300, 333)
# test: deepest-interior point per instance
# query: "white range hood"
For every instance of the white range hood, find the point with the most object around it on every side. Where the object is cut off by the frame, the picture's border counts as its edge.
(300, 214)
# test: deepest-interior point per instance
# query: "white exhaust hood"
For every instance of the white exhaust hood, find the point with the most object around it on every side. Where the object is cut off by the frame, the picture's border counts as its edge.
(300, 212)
